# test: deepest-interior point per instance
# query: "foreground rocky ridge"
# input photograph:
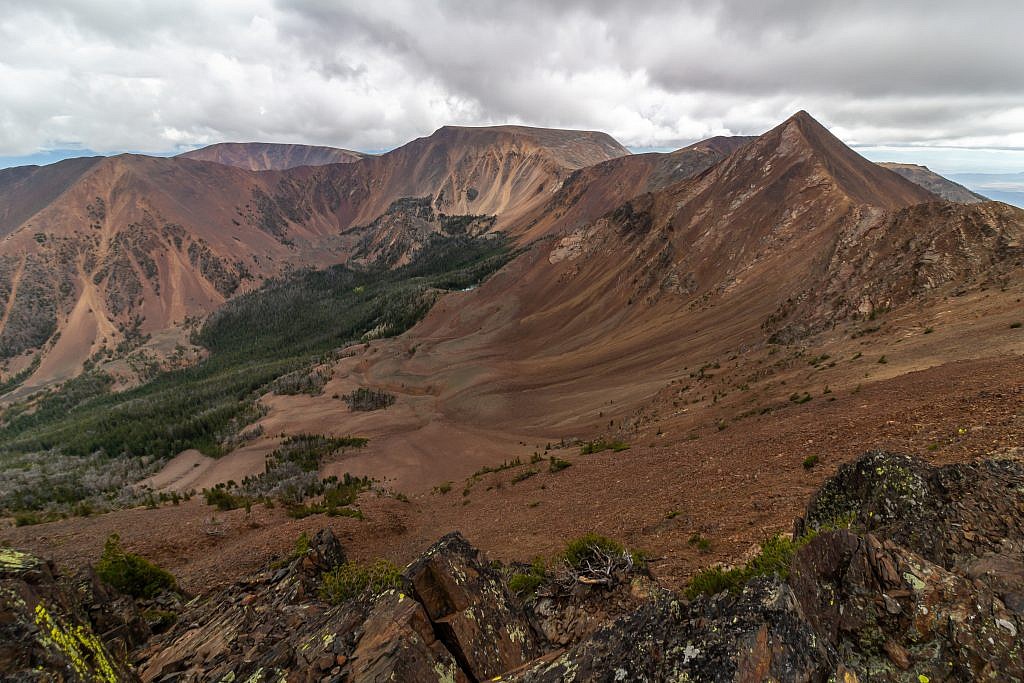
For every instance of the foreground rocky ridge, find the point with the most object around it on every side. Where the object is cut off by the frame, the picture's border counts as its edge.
(903, 572)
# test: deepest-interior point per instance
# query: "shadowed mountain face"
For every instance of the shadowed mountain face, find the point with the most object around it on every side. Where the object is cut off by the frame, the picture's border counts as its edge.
(266, 156)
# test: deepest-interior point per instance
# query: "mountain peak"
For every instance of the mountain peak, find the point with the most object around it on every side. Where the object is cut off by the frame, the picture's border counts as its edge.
(802, 139)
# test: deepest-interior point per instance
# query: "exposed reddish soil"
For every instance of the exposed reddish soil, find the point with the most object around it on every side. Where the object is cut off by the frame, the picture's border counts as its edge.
(735, 486)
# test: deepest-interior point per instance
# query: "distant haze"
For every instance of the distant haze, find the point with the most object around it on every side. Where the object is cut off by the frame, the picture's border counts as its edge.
(930, 82)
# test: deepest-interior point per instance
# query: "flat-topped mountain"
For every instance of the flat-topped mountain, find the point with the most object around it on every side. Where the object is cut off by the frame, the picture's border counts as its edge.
(267, 156)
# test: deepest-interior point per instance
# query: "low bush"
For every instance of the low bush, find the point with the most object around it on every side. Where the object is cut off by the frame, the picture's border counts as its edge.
(557, 464)
(130, 573)
(599, 445)
(352, 579)
(774, 559)
(223, 500)
(527, 583)
(591, 547)
(700, 542)
(523, 476)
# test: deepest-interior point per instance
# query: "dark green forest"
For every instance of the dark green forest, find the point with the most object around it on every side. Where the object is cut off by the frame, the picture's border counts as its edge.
(286, 325)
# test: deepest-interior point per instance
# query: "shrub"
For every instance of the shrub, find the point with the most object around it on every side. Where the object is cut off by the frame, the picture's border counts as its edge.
(505, 465)
(557, 464)
(528, 582)
(579, 550)
(219, 497)
(523, 476)
(130, 573)
(443, 488)
(1016, 325)
(810, 461)
(599, 445)
(354, 513)
(701, 543)
(351, 579)
(588, 546)
(774, 559)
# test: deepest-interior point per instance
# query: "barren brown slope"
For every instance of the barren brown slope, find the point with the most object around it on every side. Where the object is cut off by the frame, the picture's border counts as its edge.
(788, 237)
(933, 182)
(268, 156)
(134, 245)
(501, 170)
(25, 190)
(595, 190)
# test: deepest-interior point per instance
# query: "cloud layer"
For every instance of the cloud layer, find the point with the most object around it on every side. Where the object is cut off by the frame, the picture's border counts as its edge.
(155, 75)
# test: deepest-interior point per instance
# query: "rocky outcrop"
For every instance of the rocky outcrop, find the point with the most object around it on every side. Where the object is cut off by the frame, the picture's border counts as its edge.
(264, 627)
(45, 628)
(471, 609)
(759, 635)
(952, 515)
(896, 616)
(453, 621)
(932, 583)
(902, 572)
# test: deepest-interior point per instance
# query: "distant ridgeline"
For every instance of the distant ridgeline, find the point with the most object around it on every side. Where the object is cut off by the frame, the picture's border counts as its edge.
(287, 325)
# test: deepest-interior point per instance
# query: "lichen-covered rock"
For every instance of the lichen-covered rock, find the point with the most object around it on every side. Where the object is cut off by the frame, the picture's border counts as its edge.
(261, 628)
(471, 609)
(565, 618)
(950, 515)
(45, 633)
(756, 636)
(893, 615)
(399, 644)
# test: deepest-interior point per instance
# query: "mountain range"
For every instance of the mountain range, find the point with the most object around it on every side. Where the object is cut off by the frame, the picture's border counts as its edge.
(99, 254)
(534, 337)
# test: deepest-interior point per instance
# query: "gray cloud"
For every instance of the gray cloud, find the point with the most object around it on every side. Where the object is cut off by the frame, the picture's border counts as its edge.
(155, 75)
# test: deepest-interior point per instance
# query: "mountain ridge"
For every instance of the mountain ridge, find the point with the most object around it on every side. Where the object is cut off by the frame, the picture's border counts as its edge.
(270, 156)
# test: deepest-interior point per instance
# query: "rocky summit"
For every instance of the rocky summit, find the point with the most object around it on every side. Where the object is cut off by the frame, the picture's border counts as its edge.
(901, 571)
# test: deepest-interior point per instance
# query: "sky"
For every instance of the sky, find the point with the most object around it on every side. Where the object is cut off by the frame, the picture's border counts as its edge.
(928, 81)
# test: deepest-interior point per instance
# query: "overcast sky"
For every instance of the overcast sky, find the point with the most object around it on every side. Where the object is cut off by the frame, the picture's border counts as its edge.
(158, 76)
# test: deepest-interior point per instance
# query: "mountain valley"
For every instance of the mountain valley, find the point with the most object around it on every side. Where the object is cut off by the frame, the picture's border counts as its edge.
(524, 335)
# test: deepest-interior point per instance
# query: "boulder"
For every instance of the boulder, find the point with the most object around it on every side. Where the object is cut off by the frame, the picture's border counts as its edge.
(399, 644)
(471, 610)
(893, 615)
(45, 632)
(756, 636)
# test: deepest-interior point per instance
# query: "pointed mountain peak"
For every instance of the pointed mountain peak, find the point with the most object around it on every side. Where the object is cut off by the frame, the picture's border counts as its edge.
(802, 140)
(802, 118)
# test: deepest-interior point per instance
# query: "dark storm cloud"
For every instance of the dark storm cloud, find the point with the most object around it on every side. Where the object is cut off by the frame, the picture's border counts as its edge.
(155, 75)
